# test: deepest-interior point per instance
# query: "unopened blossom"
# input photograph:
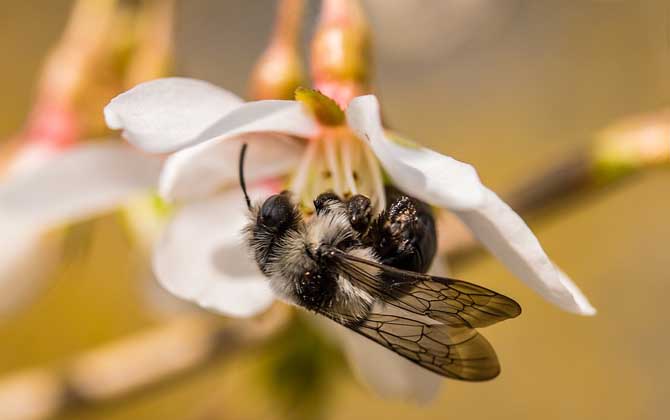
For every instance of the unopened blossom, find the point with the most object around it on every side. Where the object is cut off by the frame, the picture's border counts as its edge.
(47, 189)
(56, 174)
(308, 147)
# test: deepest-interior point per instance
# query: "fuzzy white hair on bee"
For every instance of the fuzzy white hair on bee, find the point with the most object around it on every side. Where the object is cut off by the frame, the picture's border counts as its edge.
(295, 253)
(365, 272)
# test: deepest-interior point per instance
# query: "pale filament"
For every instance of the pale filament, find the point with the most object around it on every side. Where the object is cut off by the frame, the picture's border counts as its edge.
(300, 178)
(355, 171)
(377, 180)
(347, 161)
(333, 167)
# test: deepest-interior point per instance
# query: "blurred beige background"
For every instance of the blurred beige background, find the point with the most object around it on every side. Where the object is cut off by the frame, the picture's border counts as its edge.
(510, 86)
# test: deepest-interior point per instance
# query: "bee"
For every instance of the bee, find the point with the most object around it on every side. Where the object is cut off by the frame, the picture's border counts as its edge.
(366, 272)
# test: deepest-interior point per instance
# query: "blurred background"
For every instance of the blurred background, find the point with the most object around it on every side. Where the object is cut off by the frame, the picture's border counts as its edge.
(511, 86)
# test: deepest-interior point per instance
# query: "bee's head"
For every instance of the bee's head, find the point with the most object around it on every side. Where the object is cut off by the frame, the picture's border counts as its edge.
(277, 213)
(269, 222)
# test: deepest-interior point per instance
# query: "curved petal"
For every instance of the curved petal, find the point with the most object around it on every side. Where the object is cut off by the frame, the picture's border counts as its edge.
(28, 158)
(162, 115)
(430, 176)
(201, 170)
(287, 117)
(585, 307)
(27, 257)
(201, 257)
(145, 217)
(508, 237)
(76, 184)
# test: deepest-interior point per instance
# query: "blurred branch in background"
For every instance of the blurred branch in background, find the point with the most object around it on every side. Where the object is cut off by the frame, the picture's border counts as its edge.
(190, 343)
(623, 149)
(135, 363)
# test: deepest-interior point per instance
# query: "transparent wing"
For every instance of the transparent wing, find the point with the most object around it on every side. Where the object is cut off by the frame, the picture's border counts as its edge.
(455, 352)
(454, 303)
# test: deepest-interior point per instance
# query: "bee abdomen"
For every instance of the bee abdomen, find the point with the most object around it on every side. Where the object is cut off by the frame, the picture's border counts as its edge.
(315, 289)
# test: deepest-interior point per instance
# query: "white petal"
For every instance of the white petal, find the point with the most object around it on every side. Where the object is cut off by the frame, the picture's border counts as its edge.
(202, 257)
(287, 117)
(27, 258)
(29, 158)
(164, 114)
(585, 307)
(145, 219)
(203, 169)
(508, 237)
(78, 183)
(429, 176)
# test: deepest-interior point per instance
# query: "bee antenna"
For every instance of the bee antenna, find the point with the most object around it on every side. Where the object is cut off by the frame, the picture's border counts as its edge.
(243, 184)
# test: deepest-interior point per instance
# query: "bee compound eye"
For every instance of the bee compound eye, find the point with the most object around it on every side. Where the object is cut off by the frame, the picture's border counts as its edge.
(277, 211)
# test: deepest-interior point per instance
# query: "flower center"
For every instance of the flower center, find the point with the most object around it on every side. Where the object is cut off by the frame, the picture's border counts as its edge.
(340, 162)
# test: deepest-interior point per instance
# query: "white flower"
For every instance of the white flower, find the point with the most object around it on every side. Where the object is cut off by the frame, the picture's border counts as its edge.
(201, 256)
(44, 189)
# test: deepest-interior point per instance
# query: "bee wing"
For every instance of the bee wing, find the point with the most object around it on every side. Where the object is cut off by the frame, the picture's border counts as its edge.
(455, 352)
(452, 302)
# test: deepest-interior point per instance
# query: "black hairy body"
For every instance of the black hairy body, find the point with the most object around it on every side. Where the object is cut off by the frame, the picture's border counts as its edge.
(365, 271)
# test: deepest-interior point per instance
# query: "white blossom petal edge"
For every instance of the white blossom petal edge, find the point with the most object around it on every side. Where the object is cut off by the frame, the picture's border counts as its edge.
(163, 114)
(202, 170)
(168, 114)
(443, 181)
(27, 256)
(200, 257)
(78, 183)
(429, 176)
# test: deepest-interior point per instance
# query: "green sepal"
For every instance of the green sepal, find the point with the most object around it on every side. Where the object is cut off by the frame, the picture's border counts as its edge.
(324, 109)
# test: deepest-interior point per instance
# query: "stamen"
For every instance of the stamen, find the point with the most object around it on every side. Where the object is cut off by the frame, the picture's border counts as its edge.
(300, 179)
(349, 174)
(377, 180)
(333, 167)
(319, 183)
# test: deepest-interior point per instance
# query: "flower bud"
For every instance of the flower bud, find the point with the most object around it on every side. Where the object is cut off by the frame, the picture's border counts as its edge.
(279, 72)
(633, 143)
(341, 56)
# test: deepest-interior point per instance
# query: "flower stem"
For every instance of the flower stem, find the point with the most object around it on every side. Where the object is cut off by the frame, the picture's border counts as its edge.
(130, 365)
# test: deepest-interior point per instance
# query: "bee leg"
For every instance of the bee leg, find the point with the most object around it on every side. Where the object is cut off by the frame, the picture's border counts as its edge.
(405, 235)
(326, 201)
(359, 210)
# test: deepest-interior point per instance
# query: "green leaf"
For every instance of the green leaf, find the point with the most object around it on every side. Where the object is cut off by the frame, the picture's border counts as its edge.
(325, 110)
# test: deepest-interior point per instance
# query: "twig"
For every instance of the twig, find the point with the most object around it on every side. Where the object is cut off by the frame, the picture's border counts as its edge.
(132, 364)
(567, 180)
(619, 152)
